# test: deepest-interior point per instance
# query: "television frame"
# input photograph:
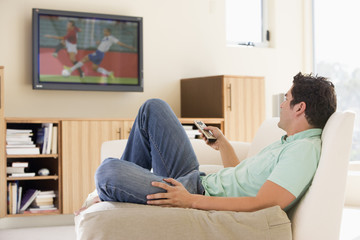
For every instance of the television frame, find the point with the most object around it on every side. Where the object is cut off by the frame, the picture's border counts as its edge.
(37, 84)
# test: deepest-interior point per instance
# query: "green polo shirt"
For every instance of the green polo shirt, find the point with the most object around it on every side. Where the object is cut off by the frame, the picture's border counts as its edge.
(290, 163)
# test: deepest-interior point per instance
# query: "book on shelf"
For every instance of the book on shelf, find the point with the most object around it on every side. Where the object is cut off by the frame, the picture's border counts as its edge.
(19, 141)
(19, 199)
(20, 146)
(17, 169)
(20, 164)
(28, 198)
(18, 135)
(191, 132)
(27, 174)
(22, 151)
(18, 131)
(40, 138)
(49, 138)
(44, 201)
(10, 170)
(46, 206)
(42, 210)
(45, 137)
(14, 198)
(54, 140)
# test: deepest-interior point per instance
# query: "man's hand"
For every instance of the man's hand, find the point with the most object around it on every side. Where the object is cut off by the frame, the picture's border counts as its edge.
(176, 195)
(217, 133)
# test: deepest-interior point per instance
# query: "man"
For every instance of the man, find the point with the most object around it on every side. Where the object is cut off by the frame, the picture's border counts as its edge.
(279, 175)
(69, 41)
(97, 57)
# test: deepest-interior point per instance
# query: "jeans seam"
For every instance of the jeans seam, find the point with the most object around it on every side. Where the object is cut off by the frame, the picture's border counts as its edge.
(106, 186)
(160, 153)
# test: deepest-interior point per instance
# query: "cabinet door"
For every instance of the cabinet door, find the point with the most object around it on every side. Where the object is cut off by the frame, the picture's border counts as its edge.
(244, 107)
(127, 128)
(81, 144)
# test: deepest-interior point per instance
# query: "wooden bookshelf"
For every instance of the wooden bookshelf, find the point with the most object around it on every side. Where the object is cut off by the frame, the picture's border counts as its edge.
(52, 162)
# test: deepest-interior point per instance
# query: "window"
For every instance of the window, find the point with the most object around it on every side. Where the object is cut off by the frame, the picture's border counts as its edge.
(246, 22)
(336, 48)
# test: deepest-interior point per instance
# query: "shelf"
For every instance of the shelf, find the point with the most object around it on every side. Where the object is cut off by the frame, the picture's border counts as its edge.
(33, 156)
(53, 177)
(34, 214)
(205, 120)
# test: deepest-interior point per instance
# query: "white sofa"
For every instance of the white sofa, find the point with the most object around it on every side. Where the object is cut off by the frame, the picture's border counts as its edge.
(317, 216)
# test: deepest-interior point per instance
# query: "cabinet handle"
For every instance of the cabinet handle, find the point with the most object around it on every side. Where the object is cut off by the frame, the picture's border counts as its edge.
(119, 132)
(229, 89)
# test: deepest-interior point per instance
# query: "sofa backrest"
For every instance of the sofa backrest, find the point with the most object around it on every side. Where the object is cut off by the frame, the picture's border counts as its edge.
(267, 133)
(318, 214)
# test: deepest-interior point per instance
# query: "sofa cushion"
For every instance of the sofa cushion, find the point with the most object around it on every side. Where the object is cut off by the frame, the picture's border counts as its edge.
(113, 220)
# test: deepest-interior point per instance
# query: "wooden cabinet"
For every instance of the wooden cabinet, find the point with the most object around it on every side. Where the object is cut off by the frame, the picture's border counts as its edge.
(81, 147)
(127, 128)
(239, 100)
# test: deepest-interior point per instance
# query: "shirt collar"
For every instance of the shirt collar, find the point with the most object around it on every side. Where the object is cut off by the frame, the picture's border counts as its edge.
(300, 135)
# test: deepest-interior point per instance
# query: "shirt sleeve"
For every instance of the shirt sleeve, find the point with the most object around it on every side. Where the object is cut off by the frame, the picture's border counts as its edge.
(114, 40)
(296, 167)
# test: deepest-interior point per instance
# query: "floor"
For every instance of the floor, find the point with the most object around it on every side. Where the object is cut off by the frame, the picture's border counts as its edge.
(350, 224)
(349, 230)
(46, 233)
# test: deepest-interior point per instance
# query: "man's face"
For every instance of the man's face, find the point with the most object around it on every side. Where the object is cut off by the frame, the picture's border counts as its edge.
(106, 32)
(69, 25)
(286, 112)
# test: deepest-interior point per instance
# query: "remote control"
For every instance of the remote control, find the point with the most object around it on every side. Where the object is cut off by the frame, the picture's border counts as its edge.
(208, 134)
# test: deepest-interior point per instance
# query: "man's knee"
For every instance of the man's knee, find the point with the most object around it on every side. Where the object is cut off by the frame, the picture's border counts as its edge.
(105, 171)
(154, 102)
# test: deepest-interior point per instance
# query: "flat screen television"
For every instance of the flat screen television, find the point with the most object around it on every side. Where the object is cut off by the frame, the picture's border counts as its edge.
(87, 51)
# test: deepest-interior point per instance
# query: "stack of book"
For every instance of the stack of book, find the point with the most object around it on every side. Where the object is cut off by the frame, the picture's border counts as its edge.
(191, 132)
(17, 169)
(47, 138)
(44, 202)
(19, 142)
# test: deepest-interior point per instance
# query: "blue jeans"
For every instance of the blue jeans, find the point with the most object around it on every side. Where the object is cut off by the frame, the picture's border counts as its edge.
(157, 141)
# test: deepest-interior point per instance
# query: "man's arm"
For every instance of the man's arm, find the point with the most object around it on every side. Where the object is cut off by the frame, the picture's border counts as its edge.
(125, 45)
(227, 152)
(270, 194)
(54, 37)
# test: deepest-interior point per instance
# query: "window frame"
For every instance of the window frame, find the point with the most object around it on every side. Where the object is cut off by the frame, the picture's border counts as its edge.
(265, 33)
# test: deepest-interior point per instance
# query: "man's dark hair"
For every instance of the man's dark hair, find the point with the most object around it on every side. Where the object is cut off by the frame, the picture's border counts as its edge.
(319, 95)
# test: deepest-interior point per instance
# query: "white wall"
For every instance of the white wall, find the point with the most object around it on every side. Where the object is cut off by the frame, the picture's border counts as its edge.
(181, 39)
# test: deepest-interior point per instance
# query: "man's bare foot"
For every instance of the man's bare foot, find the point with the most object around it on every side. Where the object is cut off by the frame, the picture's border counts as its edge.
(88, 204)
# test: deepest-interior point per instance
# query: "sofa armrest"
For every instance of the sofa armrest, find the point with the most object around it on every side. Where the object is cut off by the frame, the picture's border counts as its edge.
(208, 156)
(114, 148)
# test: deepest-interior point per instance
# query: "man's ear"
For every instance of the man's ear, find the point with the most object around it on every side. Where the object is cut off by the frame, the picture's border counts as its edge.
(300, 108)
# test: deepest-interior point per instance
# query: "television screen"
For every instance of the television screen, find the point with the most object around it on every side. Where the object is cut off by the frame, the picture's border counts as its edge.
(86, 51)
